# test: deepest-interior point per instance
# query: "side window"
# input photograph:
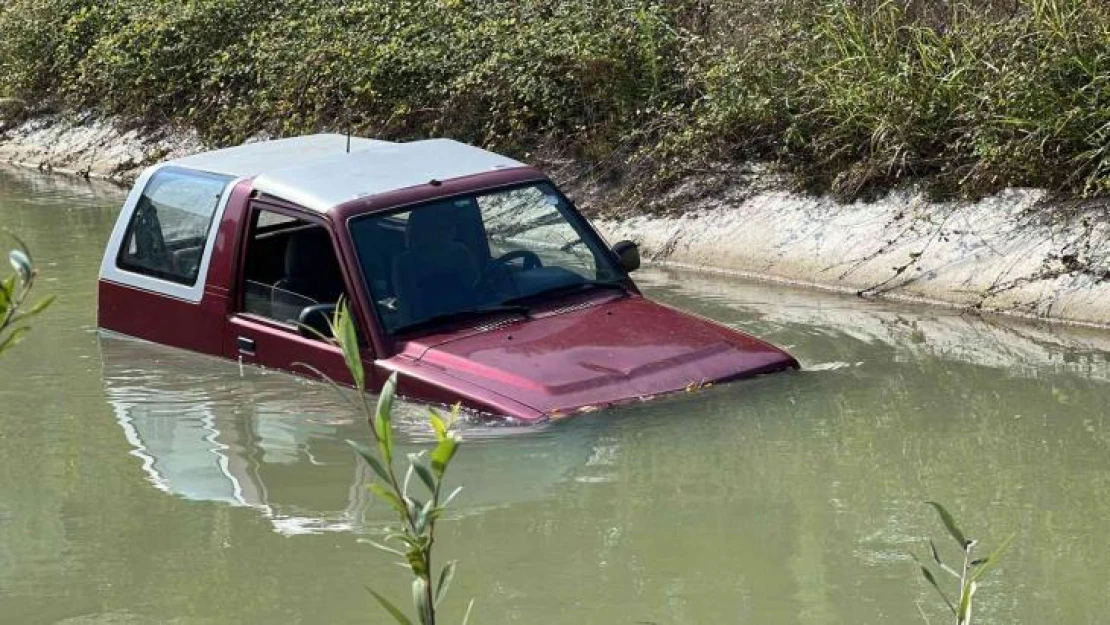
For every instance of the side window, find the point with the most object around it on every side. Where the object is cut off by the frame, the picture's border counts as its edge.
(291, 274)
(169, 228)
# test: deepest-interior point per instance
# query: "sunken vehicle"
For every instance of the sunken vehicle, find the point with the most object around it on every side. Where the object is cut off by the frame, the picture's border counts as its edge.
(468, 274)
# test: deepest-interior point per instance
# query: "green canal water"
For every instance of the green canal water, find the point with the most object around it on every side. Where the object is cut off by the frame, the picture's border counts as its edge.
(140, 484)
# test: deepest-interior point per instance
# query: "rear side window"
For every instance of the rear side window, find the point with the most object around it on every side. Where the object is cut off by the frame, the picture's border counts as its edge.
(169, 228)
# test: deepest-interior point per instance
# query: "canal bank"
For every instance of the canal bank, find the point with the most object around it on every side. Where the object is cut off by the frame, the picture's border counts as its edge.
(1013, 253)
(1016, 252)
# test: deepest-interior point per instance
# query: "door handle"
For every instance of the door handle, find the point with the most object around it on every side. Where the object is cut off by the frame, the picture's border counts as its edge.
(246, 345)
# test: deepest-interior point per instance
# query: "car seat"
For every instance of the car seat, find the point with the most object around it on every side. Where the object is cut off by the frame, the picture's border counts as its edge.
(312, 274)
(149, 243)
(436, 274)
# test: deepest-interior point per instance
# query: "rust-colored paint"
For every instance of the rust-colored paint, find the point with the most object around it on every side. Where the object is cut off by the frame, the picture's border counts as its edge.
(231, 229)
(604, 352)
(161, 319)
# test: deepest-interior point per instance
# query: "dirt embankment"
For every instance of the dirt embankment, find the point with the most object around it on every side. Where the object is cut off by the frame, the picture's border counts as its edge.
(1011, 253)
(91, 147)
(1014, 252)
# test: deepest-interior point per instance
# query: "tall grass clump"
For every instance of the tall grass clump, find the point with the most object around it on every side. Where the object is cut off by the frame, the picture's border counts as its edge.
(861, 94)
(15, 292)
(413, 541)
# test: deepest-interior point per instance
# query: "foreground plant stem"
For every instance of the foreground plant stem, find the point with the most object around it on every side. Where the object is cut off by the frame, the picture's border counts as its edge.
(971, 572)
(416, 537)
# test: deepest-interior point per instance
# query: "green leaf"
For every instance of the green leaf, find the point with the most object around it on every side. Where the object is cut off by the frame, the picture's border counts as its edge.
(442, 454)
(5, 295)
(435, 513)
(936, 558)
(343, 329)
(412, 542)
(368, 456)
(414, 507)
(950, 524)
(14, 337)
(420, 600)
(39, 307)
(424, 516)
(20, 245)
(445, 577)
(382, 418)
(425, 475)
(933, 549)
(304, 327)
(408, 478)
(439, 425)
(392, 609)
(22, 265)
(451, 497)
(389, 497)
(965, 602)
(385, 548)
(928, 575)
(988, 563)
(466, 617)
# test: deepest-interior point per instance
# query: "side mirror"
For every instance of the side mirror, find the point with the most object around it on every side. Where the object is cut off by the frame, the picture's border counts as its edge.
(313, 322)
(628, 254)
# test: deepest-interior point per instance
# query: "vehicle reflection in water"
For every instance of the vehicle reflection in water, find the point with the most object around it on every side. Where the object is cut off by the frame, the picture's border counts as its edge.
(207, 430)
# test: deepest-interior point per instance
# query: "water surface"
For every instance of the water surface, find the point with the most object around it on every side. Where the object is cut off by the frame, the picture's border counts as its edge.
(143, 484)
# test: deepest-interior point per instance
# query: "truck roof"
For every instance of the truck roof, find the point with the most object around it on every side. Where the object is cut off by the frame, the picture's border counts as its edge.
(317, 172)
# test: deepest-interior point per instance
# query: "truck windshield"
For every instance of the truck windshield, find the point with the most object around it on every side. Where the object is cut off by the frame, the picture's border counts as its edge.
(466, 256)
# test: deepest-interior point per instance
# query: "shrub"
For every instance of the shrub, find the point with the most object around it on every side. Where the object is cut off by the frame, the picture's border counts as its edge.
(852, 95)
(969, 96)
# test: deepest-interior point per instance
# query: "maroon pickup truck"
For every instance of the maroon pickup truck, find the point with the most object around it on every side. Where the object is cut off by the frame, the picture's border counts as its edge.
(469, 274)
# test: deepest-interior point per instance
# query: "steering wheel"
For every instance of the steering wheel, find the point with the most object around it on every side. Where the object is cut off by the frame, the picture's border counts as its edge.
(498, 279)
(531, 260)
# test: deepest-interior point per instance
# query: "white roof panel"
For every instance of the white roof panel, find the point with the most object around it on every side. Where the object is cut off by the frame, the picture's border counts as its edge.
(317, 172)
(252, 159)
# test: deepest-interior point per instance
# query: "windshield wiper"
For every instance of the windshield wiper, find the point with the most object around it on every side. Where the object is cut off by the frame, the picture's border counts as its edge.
(461, 315)
(566, 288)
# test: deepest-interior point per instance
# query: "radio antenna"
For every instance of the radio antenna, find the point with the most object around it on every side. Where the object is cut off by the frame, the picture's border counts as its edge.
(347, 115)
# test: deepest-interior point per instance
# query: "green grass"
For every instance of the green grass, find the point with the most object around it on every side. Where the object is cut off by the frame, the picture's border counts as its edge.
(970, 97)
(853, 96)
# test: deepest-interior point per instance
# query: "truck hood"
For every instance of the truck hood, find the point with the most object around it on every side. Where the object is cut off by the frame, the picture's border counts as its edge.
(597, 354)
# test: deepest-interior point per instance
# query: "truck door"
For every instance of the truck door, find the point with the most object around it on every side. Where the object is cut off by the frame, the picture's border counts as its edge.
(288, 282)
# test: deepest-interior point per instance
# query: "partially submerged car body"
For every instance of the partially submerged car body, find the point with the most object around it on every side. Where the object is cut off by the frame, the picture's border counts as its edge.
(469, 274)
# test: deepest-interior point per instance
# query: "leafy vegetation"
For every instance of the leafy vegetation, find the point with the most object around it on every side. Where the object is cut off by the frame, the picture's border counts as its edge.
(968, 575)
(416, 535)
(969, 96)
(851, 95)
(15, 291)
